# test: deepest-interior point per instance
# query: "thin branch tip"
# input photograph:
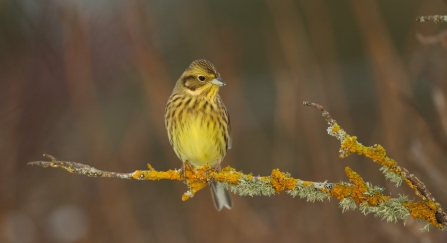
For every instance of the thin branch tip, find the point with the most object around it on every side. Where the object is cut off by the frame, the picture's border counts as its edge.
(323, 110)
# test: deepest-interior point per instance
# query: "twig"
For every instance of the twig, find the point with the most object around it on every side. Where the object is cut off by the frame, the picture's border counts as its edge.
(79, 168)
(435, 18)
(324, 112)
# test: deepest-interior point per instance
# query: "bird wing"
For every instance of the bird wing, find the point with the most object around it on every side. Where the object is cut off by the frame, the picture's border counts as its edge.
(230, 132)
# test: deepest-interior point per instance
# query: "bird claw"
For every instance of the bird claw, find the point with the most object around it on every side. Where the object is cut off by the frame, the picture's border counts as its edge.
(184, 164)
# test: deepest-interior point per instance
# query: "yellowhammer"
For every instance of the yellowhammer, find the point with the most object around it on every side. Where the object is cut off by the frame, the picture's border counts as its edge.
(198, 123)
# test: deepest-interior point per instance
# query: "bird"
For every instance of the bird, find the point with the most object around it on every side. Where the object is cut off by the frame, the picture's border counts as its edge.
(198, 123)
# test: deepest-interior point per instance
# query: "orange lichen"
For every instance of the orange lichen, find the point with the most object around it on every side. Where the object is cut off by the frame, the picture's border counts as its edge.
(152, 174)
(194, 187)
(196, 178)
(377, 153)
(336, 128)
(357, 191)
(325, 190)
(307, 183)
(424, 210)
(341, 191)
(229, 175)
(280, 181)
(185, 197)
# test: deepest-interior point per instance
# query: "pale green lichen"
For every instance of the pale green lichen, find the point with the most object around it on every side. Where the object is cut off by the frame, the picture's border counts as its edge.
(336, 131)
(426, 227)
(347, 204)
(310, 191)
(392, 176)
(391, 210)
(254, 186)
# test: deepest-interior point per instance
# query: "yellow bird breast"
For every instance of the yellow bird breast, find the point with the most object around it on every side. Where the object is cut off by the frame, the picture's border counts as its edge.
(198, 140)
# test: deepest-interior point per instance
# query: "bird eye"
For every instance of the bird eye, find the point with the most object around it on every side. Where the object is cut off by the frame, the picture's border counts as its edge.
(201, 78)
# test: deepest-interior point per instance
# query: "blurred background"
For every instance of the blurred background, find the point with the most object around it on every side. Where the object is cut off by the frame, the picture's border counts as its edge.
(87, 81)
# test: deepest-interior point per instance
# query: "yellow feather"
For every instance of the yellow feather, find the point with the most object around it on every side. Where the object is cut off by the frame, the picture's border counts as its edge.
(199, 145)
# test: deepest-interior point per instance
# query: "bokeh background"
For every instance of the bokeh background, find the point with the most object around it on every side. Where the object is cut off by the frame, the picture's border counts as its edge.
(87, 81)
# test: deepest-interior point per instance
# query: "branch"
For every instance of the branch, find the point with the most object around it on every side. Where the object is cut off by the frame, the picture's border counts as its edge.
(428, 210)
(352, 194)
(435, 18)
(79, 168)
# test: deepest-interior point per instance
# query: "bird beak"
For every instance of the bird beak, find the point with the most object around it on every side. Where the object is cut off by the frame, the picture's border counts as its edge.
(218, 81)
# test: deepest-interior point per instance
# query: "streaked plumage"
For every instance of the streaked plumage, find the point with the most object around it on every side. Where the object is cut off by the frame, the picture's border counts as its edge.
(198, 123)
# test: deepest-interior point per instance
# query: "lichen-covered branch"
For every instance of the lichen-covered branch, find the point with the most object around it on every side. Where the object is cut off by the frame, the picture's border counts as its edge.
(355, 193)
(435, 18)
(428, 210)
(352, 194)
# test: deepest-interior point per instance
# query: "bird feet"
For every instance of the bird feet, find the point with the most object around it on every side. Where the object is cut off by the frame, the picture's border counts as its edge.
(184, 165)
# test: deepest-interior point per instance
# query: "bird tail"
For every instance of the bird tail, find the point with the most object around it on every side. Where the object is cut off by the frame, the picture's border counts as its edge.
(221, 196)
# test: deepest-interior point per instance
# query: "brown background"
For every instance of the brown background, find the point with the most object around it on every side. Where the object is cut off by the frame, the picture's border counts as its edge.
(87, 81)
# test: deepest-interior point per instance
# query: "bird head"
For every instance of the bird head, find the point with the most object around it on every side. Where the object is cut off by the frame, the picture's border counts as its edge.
(201, 77)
